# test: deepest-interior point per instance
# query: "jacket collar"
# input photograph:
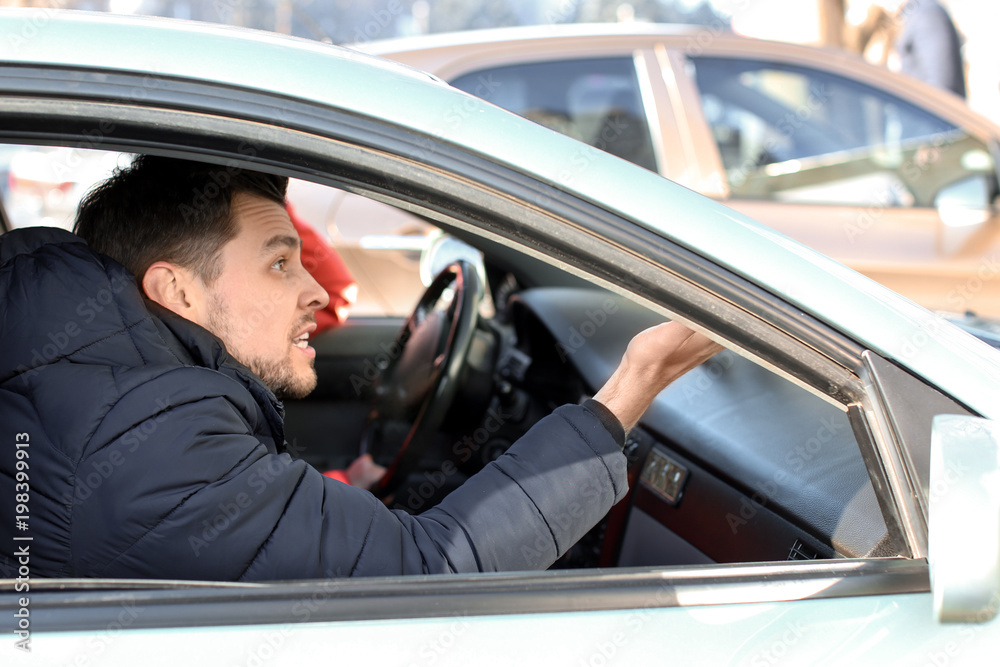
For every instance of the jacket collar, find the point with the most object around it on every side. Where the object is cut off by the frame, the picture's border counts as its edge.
(196, 346)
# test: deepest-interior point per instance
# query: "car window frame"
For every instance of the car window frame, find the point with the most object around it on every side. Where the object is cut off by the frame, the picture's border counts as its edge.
(706, 151)
(947, 132)
(391, 165)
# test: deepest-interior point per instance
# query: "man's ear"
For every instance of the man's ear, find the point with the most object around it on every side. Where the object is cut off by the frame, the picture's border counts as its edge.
(175, 288)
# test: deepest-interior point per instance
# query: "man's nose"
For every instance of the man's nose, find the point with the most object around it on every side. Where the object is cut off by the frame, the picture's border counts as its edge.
(314, 297)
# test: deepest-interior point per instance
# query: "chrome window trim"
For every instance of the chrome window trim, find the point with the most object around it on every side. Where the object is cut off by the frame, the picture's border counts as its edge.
(68, 605)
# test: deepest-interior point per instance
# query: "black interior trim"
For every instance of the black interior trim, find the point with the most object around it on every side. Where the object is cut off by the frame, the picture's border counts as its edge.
(911, 406)
(725, 524)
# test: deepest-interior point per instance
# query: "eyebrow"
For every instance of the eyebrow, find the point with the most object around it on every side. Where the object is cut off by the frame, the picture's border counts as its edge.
(281, 241)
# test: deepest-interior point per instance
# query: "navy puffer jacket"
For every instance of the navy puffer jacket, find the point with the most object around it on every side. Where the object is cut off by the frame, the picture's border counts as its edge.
(153, 454)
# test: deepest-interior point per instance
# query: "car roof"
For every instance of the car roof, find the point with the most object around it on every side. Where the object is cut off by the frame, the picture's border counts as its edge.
(368, 86)
(560, 31)
(447, 53)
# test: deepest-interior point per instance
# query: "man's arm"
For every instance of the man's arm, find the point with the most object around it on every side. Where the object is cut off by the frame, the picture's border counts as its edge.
(200, 498)
(654, 358)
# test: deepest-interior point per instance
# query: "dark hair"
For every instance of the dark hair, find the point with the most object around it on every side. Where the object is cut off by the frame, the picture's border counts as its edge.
(167, 209)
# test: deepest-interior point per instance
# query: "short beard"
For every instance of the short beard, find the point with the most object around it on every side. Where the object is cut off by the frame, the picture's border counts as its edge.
(276, 375)
(279, 378)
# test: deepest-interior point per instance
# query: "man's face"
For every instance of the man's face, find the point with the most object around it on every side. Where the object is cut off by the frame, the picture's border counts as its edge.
(262, 304)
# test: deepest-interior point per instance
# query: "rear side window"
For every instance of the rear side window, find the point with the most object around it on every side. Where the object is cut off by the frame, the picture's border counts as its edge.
(796, 134)
(593, 100)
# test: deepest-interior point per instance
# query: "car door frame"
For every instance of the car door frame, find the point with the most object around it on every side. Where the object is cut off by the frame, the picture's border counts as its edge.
(191, 118)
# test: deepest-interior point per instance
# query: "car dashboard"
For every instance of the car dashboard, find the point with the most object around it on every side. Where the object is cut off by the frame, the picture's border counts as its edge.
(732, 463)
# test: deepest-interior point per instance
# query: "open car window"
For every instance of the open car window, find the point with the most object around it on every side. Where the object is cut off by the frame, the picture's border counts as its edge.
(380, 245)
(732, 464)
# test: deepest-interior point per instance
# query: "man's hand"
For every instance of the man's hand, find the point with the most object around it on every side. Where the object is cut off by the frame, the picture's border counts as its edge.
(654, 358)
(364, 472)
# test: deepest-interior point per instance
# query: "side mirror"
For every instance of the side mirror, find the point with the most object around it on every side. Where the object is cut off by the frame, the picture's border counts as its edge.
(965, 203)
(964, 518)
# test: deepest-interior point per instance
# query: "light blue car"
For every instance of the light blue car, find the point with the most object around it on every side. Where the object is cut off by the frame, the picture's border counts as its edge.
(825, 491)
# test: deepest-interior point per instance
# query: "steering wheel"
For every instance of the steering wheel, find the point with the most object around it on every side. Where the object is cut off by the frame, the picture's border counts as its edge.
(417, 386)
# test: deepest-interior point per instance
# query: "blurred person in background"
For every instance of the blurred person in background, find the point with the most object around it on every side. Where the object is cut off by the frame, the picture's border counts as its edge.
(915, 37)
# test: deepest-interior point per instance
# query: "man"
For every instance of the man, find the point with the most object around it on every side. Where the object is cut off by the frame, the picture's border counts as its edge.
(915, 37)
(930, 47)
(156, 435)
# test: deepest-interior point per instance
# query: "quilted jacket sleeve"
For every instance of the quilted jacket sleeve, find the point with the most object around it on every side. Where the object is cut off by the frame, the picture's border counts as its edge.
(201, 498)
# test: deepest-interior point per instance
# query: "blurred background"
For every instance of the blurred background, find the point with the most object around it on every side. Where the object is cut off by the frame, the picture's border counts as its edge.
(930, 183)
(862, 26)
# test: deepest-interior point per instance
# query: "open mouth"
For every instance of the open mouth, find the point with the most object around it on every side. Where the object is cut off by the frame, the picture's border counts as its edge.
(301, 341)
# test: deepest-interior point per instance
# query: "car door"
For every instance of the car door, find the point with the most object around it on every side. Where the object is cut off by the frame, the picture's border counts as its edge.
(753, 613)
(874, 180)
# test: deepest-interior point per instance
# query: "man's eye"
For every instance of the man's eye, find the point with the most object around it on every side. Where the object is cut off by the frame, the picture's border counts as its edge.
(280, 264)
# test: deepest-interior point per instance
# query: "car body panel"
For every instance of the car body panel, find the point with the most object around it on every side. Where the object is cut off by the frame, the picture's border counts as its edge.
(867, 629)
(750, 613)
